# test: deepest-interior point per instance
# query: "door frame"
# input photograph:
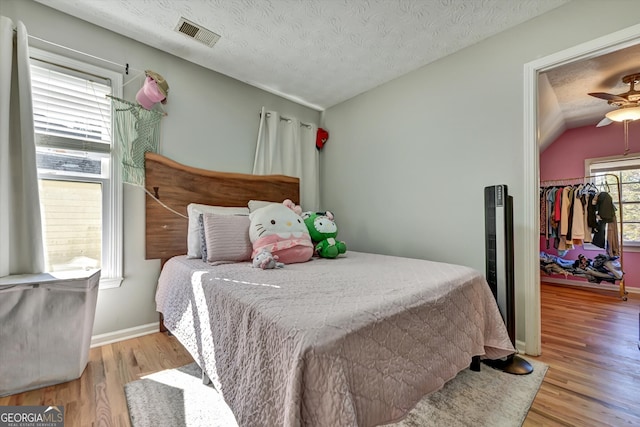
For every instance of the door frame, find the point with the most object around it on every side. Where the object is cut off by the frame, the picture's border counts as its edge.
(531, 285)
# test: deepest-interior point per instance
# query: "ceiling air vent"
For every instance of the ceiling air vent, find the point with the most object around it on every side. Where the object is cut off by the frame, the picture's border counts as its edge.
(196, 32)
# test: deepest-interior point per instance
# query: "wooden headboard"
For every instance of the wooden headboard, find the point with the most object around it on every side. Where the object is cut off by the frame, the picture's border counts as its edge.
(177, 185)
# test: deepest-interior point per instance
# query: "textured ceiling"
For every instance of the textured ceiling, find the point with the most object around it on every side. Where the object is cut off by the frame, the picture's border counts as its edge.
(315, 52)
(322, 52)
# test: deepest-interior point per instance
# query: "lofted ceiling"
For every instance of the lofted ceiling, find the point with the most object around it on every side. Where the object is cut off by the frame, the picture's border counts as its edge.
(322, 52)
(563, 91)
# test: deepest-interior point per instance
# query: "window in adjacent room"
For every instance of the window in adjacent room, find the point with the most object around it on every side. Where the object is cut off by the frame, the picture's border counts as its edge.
(79, 177)
(627, 169)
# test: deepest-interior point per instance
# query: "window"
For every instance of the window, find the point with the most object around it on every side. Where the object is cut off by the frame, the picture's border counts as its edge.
(79, 176)
(627, 169)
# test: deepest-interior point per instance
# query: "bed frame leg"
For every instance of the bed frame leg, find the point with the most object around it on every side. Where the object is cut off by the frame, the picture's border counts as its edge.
(475, 364)
(162, 327)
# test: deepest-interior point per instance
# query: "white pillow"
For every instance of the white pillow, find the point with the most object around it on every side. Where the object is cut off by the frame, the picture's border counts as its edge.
(194, 210)
(257, 204)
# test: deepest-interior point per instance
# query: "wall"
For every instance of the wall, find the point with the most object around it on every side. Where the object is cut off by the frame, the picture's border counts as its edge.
(565, 157)
(406, 163)
(212, 123)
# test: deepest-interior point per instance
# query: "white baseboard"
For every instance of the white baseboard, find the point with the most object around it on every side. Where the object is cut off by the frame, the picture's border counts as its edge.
(124, 334)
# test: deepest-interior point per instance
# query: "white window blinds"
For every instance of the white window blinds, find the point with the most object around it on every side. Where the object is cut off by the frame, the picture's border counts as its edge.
(70, 111)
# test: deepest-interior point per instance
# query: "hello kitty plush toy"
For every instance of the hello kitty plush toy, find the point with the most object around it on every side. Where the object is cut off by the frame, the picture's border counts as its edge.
(281, 231)
(296, 208)
(323, 231)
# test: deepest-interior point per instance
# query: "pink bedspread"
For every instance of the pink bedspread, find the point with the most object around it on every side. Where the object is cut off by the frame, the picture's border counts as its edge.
(352, 341)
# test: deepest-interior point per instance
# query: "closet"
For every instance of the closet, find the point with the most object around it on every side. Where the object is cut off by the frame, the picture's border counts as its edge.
(578, 219)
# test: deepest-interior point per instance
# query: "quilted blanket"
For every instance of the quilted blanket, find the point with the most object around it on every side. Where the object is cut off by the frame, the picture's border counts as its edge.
(352, 341)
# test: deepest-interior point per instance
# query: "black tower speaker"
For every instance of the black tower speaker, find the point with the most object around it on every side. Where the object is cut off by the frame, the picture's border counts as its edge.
(498, 222)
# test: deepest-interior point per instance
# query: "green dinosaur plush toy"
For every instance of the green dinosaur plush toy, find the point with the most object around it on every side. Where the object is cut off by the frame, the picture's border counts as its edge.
(323, 231)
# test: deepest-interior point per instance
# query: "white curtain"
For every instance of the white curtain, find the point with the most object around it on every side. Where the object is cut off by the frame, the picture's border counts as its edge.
(286, 146)
(21, 244)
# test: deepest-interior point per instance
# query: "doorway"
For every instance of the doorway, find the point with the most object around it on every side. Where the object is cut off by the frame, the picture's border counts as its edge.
(531, 283)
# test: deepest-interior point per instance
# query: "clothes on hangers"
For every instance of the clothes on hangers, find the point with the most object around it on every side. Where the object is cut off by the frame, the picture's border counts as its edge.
(572, 215)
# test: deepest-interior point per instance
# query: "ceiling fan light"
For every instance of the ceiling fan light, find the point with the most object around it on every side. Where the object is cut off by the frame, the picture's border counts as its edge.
(622, 114)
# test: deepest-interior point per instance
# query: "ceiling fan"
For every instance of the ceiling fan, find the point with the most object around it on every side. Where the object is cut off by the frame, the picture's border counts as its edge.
(628, 103)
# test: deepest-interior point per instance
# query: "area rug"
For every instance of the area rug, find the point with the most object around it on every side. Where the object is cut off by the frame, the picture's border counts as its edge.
(177, 397)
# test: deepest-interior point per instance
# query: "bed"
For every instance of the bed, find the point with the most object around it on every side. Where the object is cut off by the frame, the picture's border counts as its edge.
(352, 341)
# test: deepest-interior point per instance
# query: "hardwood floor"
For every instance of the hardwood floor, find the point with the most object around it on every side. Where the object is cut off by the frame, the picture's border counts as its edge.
(589, 340)
(97, 397)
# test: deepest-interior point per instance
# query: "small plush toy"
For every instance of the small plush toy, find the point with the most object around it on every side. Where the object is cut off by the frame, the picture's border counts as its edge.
(323, 231)
(266, 260)
(282, 232)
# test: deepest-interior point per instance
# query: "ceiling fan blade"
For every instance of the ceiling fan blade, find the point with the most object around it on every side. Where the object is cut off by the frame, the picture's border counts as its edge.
(608, 96)
(604, 122)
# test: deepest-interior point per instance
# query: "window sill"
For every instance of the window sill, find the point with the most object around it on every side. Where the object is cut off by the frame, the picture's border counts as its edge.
(631, 248)
(110, 283)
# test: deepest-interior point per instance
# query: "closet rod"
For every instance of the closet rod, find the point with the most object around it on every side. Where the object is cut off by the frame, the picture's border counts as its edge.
(582, 180)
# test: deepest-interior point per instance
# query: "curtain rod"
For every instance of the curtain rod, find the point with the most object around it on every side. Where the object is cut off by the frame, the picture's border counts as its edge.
(307, 125)
(125, 66)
